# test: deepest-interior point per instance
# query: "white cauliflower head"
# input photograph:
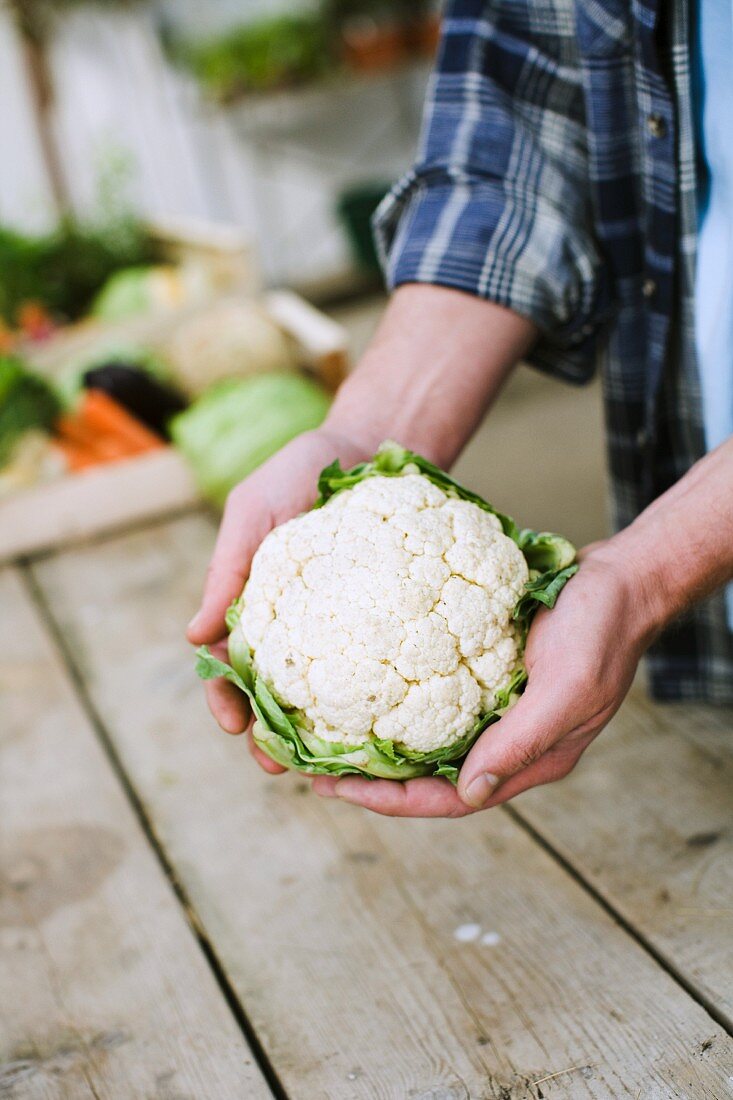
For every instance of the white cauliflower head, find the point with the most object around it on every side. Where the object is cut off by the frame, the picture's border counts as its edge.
(387, 613)
(383, 630)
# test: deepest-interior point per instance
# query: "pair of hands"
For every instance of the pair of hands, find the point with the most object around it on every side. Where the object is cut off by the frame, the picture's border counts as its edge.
(581, 657)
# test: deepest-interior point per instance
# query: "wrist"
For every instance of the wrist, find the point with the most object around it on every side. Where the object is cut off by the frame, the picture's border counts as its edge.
(635, 571)
(343, 445)
(435, 364)
(680, 549)
(372, 406)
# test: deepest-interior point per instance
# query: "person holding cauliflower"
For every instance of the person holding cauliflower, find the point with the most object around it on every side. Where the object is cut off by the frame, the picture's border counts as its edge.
(552, 216)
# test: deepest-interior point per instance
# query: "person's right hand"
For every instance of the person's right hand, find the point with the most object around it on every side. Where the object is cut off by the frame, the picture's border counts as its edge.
(282, 488)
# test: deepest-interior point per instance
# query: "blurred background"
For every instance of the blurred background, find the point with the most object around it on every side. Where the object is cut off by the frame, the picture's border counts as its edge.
(186, 258)
(288, 119)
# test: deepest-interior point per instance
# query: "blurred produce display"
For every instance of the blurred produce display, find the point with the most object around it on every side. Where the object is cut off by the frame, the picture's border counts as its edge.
(29, 408)
(70, 379)
(232, 336)
(120, 412)
(152, 401)
(234, 427)
(101, 430)
(137, 290)
(26, 400)
(118, 409)
(52, 279)
(289, 51)
(104, 365)
(33, 461)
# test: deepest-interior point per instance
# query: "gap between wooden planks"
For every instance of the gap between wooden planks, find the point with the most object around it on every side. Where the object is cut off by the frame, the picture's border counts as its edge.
(337, 929)
(105, 993)
(655, 798)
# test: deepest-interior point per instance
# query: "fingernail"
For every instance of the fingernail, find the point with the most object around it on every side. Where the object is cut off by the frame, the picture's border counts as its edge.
(480, 790)
(194, 621)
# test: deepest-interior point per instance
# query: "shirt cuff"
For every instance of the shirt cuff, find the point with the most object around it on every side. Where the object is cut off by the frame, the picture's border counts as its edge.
(519, 252)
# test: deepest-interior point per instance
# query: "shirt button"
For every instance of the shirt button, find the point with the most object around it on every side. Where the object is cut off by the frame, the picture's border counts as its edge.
(642, 437)
(657, 126)
(587, 330)
(648, 288)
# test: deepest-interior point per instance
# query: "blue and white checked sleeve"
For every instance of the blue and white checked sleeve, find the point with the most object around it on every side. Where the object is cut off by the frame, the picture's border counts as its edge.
(498, 203)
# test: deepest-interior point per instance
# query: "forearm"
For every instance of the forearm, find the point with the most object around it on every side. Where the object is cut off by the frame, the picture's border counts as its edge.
(434, 366)
(680, 549)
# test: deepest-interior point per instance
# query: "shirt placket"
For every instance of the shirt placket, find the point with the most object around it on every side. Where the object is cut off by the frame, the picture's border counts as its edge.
(657, 123)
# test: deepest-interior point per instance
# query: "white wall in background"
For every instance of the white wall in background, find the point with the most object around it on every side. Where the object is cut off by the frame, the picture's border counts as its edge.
(114, 91)
(273, 167)
(307, 147)
(26, 199)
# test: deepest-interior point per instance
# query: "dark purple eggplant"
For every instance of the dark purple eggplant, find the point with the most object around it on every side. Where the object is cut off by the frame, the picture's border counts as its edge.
(151, 401)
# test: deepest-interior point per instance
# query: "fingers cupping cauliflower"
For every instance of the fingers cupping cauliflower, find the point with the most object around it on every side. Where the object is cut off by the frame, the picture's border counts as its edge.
(382, 631)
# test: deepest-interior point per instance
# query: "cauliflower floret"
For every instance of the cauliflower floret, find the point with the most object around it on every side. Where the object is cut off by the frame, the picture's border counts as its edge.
(386, 613)
(435, 713)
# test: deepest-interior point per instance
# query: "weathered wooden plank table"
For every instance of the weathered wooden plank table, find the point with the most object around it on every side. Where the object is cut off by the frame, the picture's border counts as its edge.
(175, 924)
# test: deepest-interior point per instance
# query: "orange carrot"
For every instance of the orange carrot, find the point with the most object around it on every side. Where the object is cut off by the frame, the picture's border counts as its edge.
(107, 417)
(75, 429)
(76, 432)
(100, 431)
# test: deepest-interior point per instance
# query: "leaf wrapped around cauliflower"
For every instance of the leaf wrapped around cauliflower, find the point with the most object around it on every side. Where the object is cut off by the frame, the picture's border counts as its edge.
(383, 631)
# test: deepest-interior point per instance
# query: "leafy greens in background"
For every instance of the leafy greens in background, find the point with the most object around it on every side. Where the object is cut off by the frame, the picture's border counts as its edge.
(27, 402)
(64, 269)
(274, 52)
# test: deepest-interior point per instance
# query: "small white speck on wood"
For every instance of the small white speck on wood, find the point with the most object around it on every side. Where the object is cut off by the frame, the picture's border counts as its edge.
(467, 933)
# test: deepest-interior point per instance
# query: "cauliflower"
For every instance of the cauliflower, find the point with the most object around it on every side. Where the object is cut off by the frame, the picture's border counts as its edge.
(383, 630)
(411, 652)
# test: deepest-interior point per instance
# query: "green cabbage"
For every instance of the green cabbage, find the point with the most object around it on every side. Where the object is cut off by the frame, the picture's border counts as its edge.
(127, 293)
(238, 424)
(280, 731)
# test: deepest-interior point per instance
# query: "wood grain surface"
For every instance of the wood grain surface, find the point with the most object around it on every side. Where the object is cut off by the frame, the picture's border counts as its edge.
(104, 989)
(375, 958)
(648, 819)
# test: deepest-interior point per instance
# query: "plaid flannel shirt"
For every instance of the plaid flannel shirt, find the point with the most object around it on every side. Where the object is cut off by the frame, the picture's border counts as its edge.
(556, 176)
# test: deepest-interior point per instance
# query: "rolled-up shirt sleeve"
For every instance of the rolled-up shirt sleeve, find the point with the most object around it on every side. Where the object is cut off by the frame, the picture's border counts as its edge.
(499, 202)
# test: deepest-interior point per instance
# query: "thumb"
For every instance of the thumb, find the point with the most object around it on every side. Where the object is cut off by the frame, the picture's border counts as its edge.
(545, 713)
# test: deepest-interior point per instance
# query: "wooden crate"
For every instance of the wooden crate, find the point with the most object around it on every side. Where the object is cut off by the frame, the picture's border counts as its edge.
(114, 495)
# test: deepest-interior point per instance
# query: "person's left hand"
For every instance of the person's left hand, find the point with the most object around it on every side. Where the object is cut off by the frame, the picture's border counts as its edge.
(581, 658)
